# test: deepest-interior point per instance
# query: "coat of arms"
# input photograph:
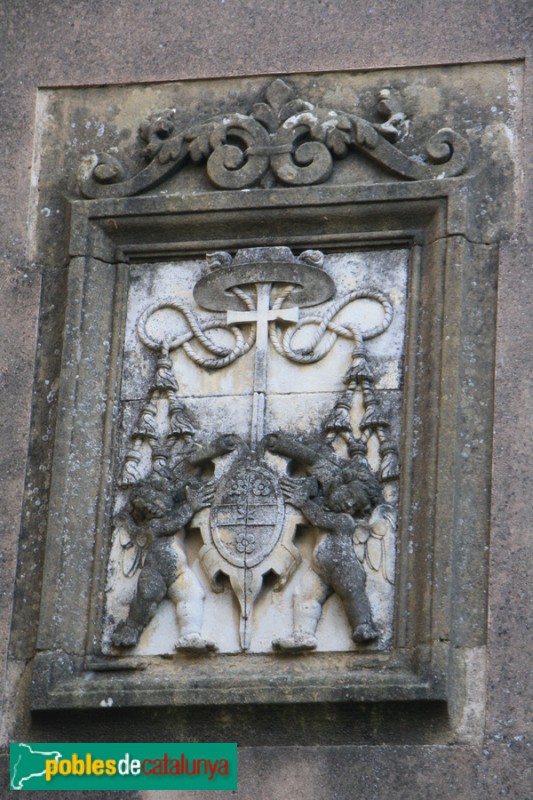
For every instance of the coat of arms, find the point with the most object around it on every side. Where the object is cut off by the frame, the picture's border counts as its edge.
(288, 474)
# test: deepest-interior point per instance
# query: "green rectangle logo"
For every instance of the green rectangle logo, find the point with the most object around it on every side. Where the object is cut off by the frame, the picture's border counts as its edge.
(101, 766)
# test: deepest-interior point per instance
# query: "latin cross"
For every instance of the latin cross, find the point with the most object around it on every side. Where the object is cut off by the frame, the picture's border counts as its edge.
(262, 315)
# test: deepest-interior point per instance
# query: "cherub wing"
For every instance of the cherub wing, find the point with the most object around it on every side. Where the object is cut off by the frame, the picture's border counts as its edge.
(373, 539)
(134, 544)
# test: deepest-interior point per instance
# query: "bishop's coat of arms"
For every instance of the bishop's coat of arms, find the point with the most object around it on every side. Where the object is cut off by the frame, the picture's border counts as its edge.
(288, 497)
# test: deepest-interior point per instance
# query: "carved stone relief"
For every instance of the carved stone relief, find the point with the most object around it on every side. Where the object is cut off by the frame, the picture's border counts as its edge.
(284, 140)
(224, 484)
(256, 502)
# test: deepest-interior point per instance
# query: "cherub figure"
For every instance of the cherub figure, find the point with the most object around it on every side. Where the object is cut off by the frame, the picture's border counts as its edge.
(342, 498)
(158, 509)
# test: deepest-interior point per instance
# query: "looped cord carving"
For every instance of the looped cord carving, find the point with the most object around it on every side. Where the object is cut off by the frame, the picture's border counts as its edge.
(325, 324)
(223, 356)
(282, 343)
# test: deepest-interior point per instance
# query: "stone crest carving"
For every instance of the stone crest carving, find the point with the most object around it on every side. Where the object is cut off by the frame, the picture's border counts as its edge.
(251, 496)
(283, 140)
(221, 516)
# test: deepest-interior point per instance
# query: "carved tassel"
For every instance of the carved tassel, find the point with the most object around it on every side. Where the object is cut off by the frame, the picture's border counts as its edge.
(146, 426)
(181, 421)
(373, 417)
(160, 461)
(359, 371)
(357, 448)
(390, 464)
(369, 396)
(130, 472)
(164, 377)
(338, 419)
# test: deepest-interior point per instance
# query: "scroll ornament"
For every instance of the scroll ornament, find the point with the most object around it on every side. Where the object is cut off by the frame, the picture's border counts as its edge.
(284, 140)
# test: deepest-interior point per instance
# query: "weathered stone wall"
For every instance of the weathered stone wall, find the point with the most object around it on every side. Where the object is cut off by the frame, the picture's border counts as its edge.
(338, 751)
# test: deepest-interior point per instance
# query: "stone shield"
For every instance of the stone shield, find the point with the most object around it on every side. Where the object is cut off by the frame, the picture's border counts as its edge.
(247, 514)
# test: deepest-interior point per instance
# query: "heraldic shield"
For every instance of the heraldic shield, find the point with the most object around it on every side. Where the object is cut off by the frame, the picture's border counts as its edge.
(247, 515)
(248, 530)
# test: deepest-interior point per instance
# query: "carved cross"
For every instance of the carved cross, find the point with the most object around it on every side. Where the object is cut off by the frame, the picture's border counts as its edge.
(262, 315)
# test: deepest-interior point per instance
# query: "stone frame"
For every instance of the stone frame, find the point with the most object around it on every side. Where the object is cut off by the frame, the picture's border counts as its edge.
(434, 557)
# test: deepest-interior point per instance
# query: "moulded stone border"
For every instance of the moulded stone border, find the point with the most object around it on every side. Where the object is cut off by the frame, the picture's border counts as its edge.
(442, 345)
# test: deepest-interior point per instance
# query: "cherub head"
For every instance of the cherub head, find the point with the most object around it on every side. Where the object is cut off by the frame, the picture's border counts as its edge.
(151, 499)
(353, 492)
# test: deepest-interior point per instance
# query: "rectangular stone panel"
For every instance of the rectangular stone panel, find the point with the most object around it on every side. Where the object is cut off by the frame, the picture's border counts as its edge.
(275, 391)
(298, 399)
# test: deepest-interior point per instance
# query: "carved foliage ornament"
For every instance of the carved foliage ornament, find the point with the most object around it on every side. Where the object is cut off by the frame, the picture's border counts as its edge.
(284, 140)
(248, 512)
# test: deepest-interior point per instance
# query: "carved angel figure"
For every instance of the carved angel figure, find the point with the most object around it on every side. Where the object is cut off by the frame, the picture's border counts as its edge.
(344, 500)
(158, 509)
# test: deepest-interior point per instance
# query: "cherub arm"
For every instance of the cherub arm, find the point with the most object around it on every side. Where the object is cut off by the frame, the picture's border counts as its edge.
(124, 519)
(198, 497)
(296, 493)
(289, 446)
(327, 520)
(172, 523)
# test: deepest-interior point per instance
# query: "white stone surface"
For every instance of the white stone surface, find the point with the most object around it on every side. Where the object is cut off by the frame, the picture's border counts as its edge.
(297, 400)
